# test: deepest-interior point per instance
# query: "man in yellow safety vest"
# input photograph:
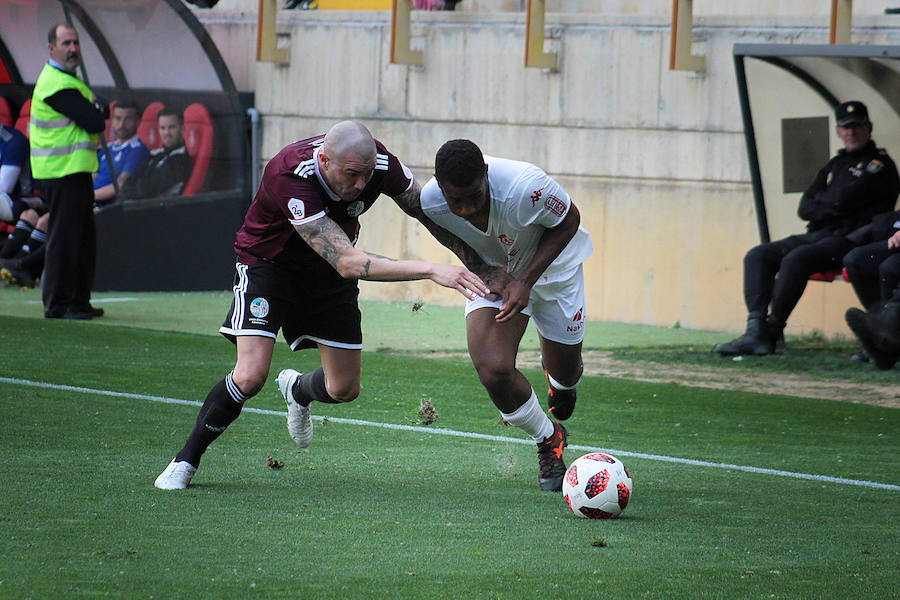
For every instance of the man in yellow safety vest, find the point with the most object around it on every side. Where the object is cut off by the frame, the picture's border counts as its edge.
(66, 120)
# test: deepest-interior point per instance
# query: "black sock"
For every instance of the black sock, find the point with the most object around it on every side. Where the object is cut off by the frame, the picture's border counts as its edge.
(222, 406)
(35, 242)
(311, 386)
(33, 262)
(16, 239)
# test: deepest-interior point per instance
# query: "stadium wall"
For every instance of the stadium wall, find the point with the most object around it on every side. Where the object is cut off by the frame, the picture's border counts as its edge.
(654, 158)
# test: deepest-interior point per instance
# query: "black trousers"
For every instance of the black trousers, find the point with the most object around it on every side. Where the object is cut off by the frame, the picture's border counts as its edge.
(71, 249)
(776, 273)
(874, 271)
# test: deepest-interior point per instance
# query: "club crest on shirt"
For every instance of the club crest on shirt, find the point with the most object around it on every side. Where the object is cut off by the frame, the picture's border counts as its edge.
(505, 240)
(354, 209)
(297, 208)
(259, 308)
(874, 167)
(555, 205)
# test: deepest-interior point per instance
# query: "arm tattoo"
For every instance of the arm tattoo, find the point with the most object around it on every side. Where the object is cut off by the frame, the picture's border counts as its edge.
(410, 202)
(373, 255)
(325, 237)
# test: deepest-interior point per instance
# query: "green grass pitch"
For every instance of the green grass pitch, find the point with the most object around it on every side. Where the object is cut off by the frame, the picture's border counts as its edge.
(375, 512)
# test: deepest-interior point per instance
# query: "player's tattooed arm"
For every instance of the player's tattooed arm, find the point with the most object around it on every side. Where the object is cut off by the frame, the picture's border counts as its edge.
(494, 277)
(327, 239)
(331, 243)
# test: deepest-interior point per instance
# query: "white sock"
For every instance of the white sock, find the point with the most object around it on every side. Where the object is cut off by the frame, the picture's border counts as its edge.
(531, 419)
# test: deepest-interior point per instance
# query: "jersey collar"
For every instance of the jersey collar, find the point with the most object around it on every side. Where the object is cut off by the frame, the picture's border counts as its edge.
(321, 179)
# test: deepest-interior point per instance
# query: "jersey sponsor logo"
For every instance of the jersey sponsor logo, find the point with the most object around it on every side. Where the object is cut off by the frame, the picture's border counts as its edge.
(874, 167)
(555, 205)
(535, 197)
(505, 240)
(577, 316)
(297, 208)
(259, 308)
(354, 209)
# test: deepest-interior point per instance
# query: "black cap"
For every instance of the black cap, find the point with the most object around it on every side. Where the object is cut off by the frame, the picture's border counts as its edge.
(851, 112)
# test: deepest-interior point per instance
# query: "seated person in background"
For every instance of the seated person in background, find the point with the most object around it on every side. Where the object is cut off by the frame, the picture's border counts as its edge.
(13, 169)
(27, 212)
(856, 184)
(22, 256)
(128, 152)
(169, 168)
(873, 267)
(879, 332)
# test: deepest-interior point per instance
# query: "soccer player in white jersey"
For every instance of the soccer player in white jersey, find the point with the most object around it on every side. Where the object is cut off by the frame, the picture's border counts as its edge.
(521, 222)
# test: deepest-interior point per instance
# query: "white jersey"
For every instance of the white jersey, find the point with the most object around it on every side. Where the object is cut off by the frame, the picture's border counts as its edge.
(524, 202)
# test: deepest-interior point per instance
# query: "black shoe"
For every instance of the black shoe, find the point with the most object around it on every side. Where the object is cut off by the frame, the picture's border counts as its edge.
(551, 468)
(81, 315)
(11, 263)
(758, 340)
(861, 357)
(95, 312)
(869, 335)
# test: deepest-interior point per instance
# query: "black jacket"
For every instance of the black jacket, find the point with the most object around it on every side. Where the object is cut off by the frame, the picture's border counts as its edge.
(851, 189)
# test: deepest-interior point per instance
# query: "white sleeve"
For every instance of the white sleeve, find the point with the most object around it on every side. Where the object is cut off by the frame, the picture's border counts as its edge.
(541, 200)
(9, 175)
(432, 200)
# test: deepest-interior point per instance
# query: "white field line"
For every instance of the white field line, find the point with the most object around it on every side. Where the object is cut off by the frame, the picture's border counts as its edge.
(470, 435)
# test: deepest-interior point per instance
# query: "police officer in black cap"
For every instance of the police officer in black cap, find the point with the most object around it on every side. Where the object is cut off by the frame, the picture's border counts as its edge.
(856, 184)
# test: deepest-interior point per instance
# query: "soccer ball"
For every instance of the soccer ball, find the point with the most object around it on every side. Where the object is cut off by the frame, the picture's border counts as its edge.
(597, 486)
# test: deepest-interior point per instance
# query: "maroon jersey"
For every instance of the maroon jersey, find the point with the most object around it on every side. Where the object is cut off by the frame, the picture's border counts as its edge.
(292, 192)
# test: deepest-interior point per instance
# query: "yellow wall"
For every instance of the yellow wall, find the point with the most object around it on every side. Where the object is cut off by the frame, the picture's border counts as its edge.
(354, 4)
(655, 159)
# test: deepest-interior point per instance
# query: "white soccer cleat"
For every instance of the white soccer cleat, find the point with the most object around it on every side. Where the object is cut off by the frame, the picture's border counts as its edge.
(177, 476)
(299, 422)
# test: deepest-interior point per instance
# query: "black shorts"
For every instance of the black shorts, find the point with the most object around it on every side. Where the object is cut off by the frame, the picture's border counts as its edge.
(313, 306)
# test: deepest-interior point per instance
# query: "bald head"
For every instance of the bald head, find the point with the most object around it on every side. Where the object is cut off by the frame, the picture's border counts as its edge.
(349, 139)
(347, 159)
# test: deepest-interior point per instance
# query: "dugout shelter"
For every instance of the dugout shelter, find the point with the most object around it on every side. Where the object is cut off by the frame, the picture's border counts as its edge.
(157, 53)
(788, 94)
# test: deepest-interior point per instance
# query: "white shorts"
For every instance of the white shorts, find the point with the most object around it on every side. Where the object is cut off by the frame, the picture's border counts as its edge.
(556, 307)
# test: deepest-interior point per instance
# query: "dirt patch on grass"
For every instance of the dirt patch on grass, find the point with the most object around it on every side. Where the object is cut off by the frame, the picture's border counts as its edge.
(598, 362)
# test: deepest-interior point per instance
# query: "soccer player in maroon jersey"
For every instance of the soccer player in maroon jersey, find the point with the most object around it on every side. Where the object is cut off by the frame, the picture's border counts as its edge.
(297, 271)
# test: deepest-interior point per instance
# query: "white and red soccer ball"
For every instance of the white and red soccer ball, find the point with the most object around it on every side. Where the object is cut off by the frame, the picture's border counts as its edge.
(597, 486)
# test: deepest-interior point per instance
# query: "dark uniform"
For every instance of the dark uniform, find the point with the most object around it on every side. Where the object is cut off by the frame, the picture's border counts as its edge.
(873, 268)
(845, 195)
(165, 173)
(283, 283)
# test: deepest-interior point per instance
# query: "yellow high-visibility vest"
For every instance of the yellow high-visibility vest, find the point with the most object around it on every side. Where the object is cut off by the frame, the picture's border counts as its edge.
(59, 147)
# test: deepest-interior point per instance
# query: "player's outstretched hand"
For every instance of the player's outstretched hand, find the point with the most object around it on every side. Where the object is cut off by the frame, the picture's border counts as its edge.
(460, 279)
(515, 298)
